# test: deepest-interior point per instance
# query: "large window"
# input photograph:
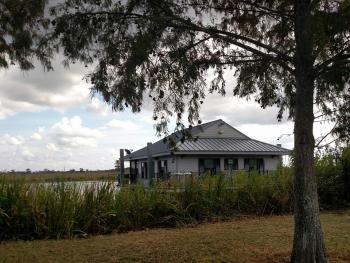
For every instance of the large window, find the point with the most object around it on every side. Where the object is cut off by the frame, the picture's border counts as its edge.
(256, 164)
(230, 164)
(209, 165)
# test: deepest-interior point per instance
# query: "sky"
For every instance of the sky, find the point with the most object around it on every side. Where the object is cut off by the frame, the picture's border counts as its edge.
(48, 120)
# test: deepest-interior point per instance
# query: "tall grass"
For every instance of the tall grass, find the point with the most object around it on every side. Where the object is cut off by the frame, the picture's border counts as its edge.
(54, 176)
(59, 210)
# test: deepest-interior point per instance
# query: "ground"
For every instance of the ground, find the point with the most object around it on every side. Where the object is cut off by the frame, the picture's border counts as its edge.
(263, 239)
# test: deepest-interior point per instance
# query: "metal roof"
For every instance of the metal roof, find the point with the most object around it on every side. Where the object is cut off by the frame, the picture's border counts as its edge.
(229, 145)
(160, 147)
(208, 145)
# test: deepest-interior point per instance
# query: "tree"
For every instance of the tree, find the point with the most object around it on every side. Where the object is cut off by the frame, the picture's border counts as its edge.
(293, 54)
(22, 24)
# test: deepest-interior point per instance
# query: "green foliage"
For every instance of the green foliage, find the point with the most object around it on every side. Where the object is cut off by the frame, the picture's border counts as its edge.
(345, 159)
(331, 170)
(167, 49)
(23, 26)
(58, 210)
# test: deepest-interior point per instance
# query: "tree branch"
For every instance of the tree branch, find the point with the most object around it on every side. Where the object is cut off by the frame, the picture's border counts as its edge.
(337, 57)
(229, 37)
(325, 136)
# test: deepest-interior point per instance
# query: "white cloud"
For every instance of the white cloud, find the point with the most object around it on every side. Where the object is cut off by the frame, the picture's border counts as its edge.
(123, 125)
(98, 107)
(70, 133)
(27, 155)
(11, 140)
(36, 90)
(52, 147)
(4, 111)
(236, 111)
(36, 136)
(39, 134)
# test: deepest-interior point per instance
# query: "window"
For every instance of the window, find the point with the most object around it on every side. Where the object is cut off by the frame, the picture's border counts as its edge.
(230, 163)
(208, 163)
(254, 164)
(211, 165)
(162, 167)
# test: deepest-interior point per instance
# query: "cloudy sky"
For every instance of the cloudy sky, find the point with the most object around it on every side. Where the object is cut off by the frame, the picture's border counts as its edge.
(49, 121)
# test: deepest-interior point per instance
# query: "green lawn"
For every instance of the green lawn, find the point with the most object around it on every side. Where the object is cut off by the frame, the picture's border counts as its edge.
(265, 239)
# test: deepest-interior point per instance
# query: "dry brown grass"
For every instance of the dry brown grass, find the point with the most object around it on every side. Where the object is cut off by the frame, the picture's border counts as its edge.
(108, 175)
(265, 239)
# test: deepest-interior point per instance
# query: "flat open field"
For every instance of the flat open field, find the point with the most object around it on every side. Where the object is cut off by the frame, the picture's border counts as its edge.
(61, 176)
(264, 239)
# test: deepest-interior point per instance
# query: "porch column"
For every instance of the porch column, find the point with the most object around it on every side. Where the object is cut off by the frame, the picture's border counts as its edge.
(156, 172)
(121, 163)
(222, 164)
(150, 163)
(240, 163)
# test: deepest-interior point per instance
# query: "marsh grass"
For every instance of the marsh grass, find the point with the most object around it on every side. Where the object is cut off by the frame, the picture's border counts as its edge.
(60, 210)
(57, 176)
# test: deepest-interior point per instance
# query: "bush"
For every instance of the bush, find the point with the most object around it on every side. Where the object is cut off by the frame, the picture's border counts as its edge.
(333, 176)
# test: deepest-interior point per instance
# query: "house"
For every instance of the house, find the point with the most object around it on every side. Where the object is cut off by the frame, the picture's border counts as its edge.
(216, 147)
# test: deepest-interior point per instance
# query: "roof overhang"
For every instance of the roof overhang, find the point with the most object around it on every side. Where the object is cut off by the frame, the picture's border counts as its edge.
(230, 153)
(128, 158)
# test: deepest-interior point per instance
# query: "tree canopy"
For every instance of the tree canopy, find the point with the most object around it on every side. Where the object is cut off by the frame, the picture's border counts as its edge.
(165, 49)
(22, 24)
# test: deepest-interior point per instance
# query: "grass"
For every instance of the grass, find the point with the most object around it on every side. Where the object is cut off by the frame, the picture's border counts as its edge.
(37, 211)
(106, 175)
(260, 239)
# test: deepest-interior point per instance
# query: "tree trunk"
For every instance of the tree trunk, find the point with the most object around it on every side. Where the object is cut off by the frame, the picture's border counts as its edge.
(308, 245)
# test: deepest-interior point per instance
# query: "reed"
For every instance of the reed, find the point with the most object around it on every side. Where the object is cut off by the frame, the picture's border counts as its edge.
(59, 210)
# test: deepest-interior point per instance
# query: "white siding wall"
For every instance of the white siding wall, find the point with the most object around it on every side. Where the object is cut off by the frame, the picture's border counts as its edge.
(172, 164)
(190, 164)
(271, 163)
(240, 163)
(186, 164)
(223, 131)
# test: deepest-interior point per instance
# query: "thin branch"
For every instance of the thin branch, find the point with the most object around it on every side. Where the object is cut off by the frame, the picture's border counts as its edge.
(256, 52)
(335, 67)
(258, 44)
(328, 143)
(339, 56)
(185, 49)
(325, 114)
(325, 136)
